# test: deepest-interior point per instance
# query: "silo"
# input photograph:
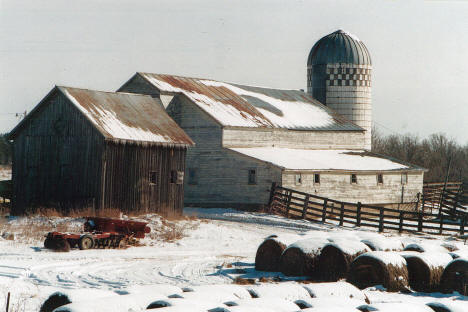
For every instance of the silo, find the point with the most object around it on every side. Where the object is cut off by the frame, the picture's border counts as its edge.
(339, 75)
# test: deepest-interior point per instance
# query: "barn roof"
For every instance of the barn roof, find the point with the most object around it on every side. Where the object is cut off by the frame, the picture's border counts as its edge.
(245, 106)
(325, 160)
(124, 116)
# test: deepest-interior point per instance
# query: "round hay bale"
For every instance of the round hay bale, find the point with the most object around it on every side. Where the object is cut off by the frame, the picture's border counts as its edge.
(425, 246)
(301, 258)
(338, 290)
(448, 306)
(61, 298)
(425, 270)
(269, 252)
(394, 306)
(382, 243)
(455, 277)
(335, 259)
(379, 268)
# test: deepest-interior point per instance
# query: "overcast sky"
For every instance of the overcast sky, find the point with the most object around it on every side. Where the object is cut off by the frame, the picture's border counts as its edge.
(419, 50)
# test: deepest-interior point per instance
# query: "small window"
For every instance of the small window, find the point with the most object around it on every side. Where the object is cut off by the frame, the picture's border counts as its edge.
(177, 177)
(192, 176)
(317, 178)
(298, 178)
(404, 178)
(153, 177)
(252, 176)
(379, 178)
(353, 178)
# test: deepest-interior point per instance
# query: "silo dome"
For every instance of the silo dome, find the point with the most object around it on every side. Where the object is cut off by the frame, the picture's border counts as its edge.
(339, 47)
(339, 70)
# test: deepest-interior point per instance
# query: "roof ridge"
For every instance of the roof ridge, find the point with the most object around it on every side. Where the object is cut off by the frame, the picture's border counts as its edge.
(111, 92)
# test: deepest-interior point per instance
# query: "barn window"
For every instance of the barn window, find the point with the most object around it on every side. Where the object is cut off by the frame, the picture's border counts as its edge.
(192, 176)
(404, 178)
(317, 178)
(379, 178)
(177, 177)
(353, 178)
(153, 177)
(252, 176)
(298, 179)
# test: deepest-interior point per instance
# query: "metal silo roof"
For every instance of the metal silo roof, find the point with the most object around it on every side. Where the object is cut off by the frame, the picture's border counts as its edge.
(339, 47)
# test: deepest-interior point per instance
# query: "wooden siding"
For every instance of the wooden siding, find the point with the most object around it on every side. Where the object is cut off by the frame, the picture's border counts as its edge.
(338, 186)
(56, 159)
(126, 182)
(138, 84)
(239, 137)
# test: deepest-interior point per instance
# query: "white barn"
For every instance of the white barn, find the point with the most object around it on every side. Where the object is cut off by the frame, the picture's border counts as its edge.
(248, 137)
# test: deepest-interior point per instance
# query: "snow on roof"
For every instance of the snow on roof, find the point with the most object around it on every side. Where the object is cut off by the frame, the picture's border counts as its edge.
(245, 106)
(301, 159)
(124, 116)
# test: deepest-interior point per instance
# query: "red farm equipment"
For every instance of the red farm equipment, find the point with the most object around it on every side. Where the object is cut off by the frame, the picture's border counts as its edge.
(99, 233)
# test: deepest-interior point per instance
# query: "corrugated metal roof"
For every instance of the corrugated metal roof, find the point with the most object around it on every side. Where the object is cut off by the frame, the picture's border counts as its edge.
(123, 116)
(326, 160)
(339, 47)
(245, 106)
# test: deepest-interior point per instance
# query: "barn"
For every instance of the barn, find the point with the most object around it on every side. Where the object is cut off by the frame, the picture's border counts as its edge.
(248, 137)
(85, 149)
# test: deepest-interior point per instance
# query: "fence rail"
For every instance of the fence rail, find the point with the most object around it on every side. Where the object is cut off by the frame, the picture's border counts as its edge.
(295, 204)
(449, 198)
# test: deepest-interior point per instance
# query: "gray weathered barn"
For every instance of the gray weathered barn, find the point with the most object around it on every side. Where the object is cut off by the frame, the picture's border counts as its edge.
(89, 149)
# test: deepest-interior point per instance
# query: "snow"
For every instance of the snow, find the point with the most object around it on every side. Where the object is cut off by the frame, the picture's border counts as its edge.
(392, 258)
(395, 306)
(217, 248)
(450, 305)
(427, 246)
(309, 245)
(339, 304)
(348, 246)
(5, 173)
(302, 159)
(433, 259)
(382, 243)
(268, 304)
(336, 290)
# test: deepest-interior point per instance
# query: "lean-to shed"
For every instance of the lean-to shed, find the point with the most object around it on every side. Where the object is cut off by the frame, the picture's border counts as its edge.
(85, 149)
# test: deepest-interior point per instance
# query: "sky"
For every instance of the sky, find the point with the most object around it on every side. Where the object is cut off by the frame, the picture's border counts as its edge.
(418, 48)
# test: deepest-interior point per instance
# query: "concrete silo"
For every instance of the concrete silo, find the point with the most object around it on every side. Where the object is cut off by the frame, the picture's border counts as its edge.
(339, 75)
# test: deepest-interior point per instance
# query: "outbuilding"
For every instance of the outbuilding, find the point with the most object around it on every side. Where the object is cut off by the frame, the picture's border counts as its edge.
(82, 149)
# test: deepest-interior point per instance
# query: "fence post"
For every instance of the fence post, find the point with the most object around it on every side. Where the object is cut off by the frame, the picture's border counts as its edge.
(400, 226)
(358, 214)
(420, 222)
(306, 205)
(462, 225)
(288, 203)
(342, 214)
(381, 220)
(8, 302)
(324, 212)
(441, 223)
(423, 203)
(272, 194)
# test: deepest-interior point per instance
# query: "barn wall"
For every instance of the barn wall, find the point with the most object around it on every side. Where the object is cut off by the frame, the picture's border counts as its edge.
(338, 186)
(127, 185)
(293, 139)
(56, 159)
(221, 175)
(138, 84)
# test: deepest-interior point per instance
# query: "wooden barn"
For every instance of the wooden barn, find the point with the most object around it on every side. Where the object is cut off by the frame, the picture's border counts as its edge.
(248, 137)
(84, 149)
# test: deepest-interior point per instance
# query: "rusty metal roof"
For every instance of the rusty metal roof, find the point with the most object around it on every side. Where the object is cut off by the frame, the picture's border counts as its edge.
(124, 116)
(245, 106)
(120, 117)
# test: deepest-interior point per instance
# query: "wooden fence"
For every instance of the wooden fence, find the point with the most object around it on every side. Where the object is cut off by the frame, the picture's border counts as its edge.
(295, 204)
(446, 198)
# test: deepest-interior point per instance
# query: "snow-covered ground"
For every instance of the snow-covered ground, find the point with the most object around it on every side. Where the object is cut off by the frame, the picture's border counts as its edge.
(219, 245)
(5, 173)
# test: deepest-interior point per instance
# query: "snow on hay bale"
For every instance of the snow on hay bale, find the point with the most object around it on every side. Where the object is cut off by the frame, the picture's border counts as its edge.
(449, 306)
(455, 276)
(338, 290)
(61, 298)
(425, 246)
(238, 291)
(267, 304)
(287, 291)
(379, 268)
(270, 250)
(336, 257)
(394, 306)
(425, 270)
(301, 257)
(163, 289)
(193, 304)
(335, 305)
(382, 243)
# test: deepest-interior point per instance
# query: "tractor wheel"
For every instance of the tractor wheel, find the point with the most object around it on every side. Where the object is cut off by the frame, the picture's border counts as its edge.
(61, 244)
(48, 243)
(86, 242)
